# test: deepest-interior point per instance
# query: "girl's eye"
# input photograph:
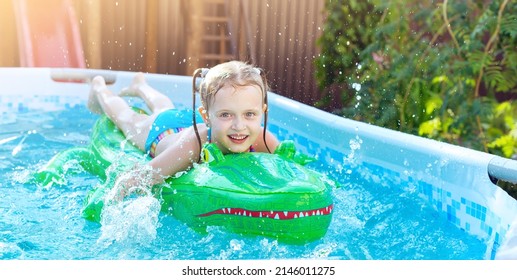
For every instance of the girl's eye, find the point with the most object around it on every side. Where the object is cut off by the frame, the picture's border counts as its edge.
(250, 114)
(224, 115)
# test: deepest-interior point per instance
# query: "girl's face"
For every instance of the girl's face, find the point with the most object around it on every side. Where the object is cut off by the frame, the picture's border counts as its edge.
(235, 118)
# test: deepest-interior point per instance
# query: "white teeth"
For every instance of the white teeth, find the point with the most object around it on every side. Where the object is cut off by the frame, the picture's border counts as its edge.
(277, 215)
(238, 137)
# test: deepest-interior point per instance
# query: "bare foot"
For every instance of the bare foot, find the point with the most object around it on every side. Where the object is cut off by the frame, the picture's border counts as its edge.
(97, 87)
(133, 89)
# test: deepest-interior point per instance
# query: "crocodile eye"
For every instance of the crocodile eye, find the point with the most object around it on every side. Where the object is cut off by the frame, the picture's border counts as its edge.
(212, 154)
(206, 156)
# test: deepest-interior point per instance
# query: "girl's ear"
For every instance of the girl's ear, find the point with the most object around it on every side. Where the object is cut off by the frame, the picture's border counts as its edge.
(204, 114)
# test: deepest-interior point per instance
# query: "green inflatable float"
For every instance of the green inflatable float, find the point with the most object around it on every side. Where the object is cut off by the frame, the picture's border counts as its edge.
(271, 195)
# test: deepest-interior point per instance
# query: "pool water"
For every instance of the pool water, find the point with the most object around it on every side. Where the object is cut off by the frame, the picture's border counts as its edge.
(375, 216)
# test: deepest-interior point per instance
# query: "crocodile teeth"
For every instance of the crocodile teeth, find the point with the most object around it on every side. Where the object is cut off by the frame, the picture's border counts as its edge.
(278, 215)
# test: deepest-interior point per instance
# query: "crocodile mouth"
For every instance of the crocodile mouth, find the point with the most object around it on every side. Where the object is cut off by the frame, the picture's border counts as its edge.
(276, 215)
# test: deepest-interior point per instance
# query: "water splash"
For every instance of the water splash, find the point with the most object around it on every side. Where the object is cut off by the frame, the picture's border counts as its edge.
(20, 175)
(355, 146)
(18, 147)
(132, 221)
(323, 251)
(133, 217)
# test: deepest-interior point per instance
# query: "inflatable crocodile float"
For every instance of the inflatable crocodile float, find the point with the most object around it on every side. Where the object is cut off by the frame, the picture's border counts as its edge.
(271, 195)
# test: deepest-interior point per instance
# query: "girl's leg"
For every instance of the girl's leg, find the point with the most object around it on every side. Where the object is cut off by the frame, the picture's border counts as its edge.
(155, 100)
(135, 126)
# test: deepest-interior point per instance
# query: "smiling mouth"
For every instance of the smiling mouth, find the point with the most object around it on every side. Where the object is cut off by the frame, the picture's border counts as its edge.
(238, 138)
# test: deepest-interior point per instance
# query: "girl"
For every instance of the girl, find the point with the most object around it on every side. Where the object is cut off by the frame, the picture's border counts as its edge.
(234, 103)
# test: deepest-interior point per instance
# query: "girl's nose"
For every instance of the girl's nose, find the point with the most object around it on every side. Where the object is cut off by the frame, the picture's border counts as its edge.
(238, 124)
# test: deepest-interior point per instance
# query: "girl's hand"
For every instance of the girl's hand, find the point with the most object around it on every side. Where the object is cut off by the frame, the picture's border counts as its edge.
(138, 180)
(128, 184)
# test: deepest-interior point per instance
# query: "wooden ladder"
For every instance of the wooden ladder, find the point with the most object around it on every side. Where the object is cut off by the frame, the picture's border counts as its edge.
(210, 36)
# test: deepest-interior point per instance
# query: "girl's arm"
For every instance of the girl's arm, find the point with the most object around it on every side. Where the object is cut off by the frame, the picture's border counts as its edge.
(177, 157)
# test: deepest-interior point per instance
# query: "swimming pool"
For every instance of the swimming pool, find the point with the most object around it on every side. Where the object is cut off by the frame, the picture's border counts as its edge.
(402, 197)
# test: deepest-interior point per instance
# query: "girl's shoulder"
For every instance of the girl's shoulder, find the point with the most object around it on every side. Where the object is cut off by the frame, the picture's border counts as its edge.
(202, 130)
(267, 146)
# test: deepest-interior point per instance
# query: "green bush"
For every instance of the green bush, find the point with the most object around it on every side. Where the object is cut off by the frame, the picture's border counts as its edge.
(430, 68)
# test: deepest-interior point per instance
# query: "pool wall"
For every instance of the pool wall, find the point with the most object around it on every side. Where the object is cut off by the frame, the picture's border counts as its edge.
(453, 179)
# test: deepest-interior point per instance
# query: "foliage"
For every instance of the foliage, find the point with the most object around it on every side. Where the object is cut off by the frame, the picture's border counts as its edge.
(439, 69)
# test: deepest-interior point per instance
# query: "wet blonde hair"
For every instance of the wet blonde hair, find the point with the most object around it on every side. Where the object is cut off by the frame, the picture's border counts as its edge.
(233, 73)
